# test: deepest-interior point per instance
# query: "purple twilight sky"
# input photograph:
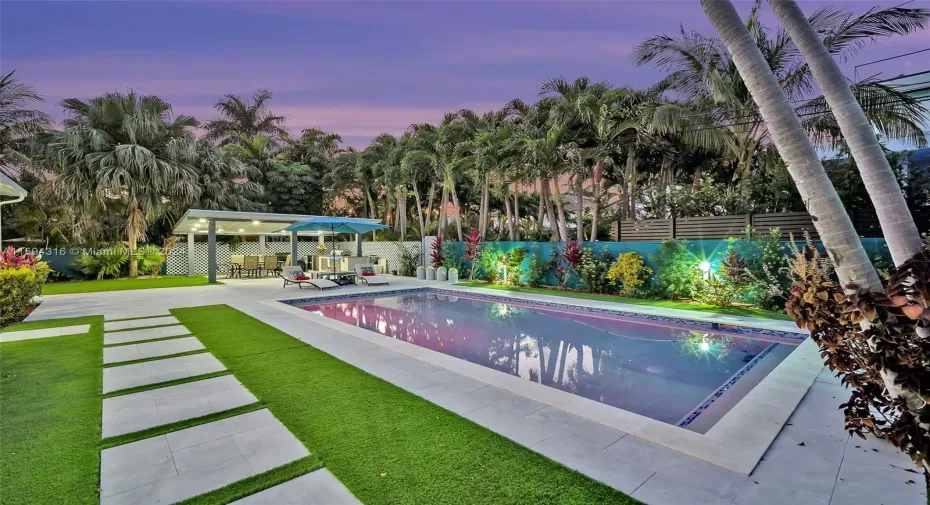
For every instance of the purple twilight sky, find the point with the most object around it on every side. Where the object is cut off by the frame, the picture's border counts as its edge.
(357, 68)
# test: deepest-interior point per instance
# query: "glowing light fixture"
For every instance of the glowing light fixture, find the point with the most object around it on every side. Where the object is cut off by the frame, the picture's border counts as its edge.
(202, 220)
(705, 269)
(705, 346)
(256, 223)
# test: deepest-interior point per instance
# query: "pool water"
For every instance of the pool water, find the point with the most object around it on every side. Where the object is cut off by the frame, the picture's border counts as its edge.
(685, 376)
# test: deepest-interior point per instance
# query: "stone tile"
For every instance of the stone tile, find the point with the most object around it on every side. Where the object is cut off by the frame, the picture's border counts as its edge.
(827, 376)
(526, 432)
(611, 469)
(461, 397)
(315, 488)
(664, 490)
(578, 429)
(168, 347)
(61, 331)
(127, 336)
(873, 471)
(162, 370)
(781, 493)
(269, 447)
(139, 323)
(147, 409)
(196, 435)
(200, 459)
(686, 471)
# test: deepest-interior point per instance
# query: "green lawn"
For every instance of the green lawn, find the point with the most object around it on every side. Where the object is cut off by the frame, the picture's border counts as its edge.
(50, 415)
(386, 445)
(697, 307)
(174, 281)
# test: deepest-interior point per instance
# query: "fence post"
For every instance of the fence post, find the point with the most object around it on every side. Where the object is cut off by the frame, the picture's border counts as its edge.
(749, 223)
(671, 228)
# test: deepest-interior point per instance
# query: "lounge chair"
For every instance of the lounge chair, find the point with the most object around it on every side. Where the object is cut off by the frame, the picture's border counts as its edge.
(295, 275)
(366, 273)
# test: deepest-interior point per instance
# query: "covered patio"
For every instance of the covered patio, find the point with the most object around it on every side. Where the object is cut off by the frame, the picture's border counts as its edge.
(261, 224)
(10, 192)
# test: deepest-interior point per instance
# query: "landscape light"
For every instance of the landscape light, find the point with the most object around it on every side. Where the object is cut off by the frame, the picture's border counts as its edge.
(705, 269)
(705, 346)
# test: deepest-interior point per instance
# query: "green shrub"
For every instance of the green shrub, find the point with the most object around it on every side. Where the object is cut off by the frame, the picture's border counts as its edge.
(629, 273)
(451, 257)
(108, 263)
(538, 270)
(729, 285)
(150, 259)
(512, 262)
(408, 262)
(677, 270)
(593, 271)
(488, 261)
(18, 286)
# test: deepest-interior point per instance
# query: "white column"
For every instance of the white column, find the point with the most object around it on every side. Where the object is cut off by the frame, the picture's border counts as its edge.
(294, 248)
(211, 252)
(261, 245)
(191, 269)
(358, 244)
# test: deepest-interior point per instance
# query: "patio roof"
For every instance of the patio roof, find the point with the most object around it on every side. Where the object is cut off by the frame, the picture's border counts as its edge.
(243, 223)
(8, 188)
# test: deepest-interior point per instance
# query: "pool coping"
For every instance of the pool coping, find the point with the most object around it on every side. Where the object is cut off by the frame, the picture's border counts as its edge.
(736, 442)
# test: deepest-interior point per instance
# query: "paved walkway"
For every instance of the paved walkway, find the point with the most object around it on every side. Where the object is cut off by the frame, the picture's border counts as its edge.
(173, 467)
(61, 331)
(829, 468)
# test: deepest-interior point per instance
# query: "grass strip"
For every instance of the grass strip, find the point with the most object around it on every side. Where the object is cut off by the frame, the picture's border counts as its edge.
(668, 304)
(136, 318)
(50, 415)
(388, 446)
(159, 385)
(256, 483)
(154, 358)
(110, 332)
(96, 286)
(135, 436)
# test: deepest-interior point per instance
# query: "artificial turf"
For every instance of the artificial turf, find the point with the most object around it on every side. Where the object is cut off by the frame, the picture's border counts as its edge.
(671, 304)
(50, 415)
(72, 287)
(388, 446)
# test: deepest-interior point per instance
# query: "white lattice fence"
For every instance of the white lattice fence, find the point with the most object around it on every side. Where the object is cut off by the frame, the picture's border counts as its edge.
(386, 250)
(177, 259)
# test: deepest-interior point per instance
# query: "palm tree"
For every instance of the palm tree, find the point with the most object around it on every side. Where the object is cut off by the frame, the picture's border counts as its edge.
(880, 182)
(491, 152)
(704, 74)
(226, 182)
(124, 150)
(242, 118)
(545, 152)
(17, 122)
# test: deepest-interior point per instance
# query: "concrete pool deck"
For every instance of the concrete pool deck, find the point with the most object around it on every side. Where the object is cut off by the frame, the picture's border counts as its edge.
(810, 461)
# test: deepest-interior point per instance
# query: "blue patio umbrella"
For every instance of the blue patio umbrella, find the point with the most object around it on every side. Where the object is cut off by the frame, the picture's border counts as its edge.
(336, 225)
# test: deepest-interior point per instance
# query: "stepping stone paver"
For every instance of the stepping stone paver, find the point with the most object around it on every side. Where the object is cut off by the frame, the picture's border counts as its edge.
(119, 316)
(61, 331)
(173, 467)
(168, 347)
(156, 407)
(315, 488)
(126, 336)
(139, 323)
(162, 370)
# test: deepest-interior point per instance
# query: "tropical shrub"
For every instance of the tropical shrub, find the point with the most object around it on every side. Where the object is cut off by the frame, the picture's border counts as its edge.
(436, 252)
(677, 270)
(567, 260)
(593, 271)
(21, 280)
(472, 251)
(488, 260)
(451, 258)
(408, 261)
(512, 263)
(767, 259)
(876, 343)
(729, 285)
(629, 273)
(538, 269)
(108, 262)
(150, 259)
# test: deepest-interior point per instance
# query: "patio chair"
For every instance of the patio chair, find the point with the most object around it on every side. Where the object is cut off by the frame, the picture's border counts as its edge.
(251, 265)
(235, 266)
(270, 264)
(294, 275)
(366, 273)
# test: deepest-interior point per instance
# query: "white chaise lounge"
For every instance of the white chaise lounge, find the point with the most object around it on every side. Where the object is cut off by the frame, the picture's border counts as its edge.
(371, 280)
(295, 275)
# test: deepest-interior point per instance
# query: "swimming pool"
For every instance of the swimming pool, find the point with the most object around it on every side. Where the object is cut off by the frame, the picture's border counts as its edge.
(680, 372)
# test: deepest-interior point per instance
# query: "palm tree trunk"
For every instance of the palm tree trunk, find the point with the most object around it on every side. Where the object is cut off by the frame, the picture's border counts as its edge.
(416, 197)
(579, 216)
(560, 211)
(596, 195)
(402, 211)
(540, 215)
(458, 212)
(630, 183)
(429, 209)
(509, 213)
(547, 201)
(135, 225)
(830, 218)
(516, 211)
(893, 215)
(443, 203)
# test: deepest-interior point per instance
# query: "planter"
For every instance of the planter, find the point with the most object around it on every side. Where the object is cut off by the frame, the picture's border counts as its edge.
(441, 274)
(421, 273)
(453, 275)
(430, 273)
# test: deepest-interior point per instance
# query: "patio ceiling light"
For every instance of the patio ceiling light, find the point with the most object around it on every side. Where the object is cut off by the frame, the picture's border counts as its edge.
(256, 223)
(202, 220)
(241, 230)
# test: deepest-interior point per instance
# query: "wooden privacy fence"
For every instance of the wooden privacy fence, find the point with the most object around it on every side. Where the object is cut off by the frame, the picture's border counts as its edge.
(722, 227)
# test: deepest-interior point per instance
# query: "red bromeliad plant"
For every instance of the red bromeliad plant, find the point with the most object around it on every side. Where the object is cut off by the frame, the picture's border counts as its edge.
(878, 345)
(472, 251)
(10, 258)
(569, 261)
(436, 253)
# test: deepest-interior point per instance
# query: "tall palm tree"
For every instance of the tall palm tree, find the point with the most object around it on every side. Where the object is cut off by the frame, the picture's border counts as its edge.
(241, 117)
(543, 149)
(17, 122)
(226, 182)
(124, 150)
(880, 182)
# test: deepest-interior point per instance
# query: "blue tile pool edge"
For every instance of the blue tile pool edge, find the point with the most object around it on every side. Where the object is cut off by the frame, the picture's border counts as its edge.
(712, 326)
